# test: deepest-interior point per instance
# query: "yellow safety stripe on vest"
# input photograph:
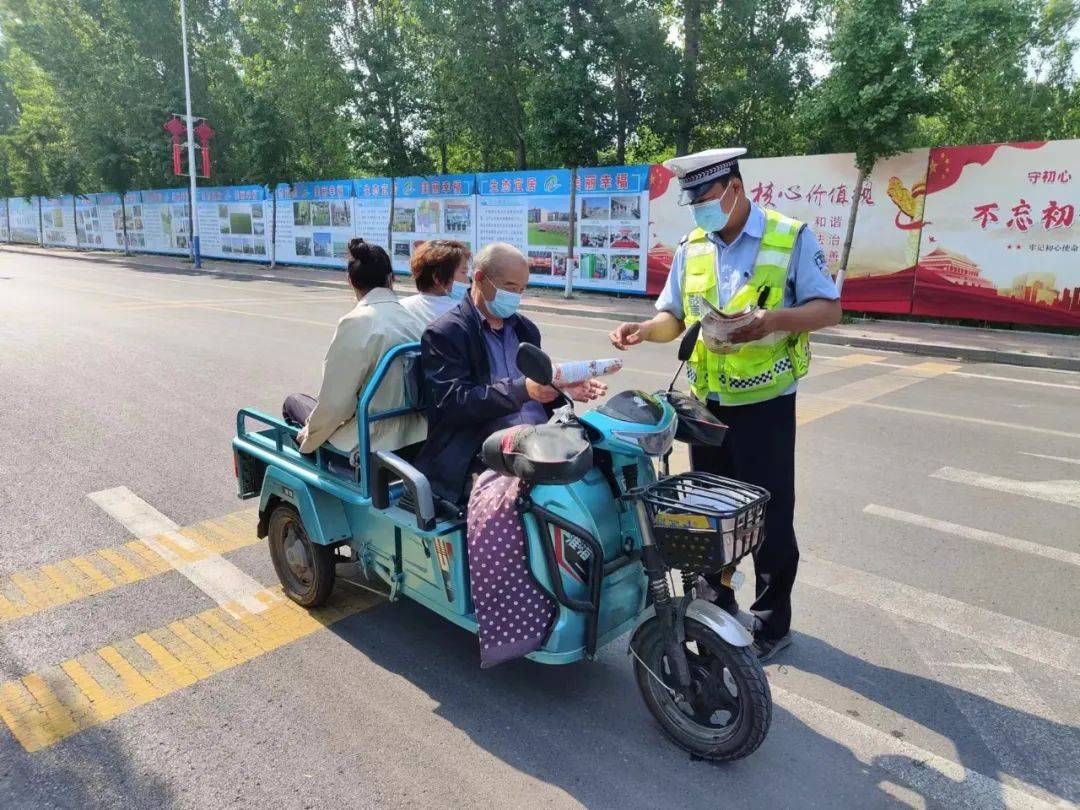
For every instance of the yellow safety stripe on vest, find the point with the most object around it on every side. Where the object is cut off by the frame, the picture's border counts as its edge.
(755, 372)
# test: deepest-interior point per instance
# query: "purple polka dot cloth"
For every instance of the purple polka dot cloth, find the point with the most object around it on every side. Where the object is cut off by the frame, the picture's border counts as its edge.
(513, 613)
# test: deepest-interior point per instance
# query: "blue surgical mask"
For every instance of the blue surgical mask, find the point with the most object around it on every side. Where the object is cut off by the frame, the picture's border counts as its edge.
(504, 304)
(458, 291)
(710, 216)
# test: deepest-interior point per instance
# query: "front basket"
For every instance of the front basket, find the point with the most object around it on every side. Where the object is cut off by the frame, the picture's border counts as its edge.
(703, 522)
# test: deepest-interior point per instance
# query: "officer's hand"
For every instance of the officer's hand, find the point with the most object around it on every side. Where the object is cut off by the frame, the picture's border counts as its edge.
(626, 335)
(762, 325)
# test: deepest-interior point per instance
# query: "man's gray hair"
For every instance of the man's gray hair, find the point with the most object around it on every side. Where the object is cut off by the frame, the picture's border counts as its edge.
(494, 257)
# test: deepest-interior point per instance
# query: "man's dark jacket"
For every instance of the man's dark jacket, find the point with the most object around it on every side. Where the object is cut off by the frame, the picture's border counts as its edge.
(461, 400)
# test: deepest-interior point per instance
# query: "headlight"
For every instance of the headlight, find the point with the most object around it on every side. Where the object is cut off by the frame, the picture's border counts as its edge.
(652, 444)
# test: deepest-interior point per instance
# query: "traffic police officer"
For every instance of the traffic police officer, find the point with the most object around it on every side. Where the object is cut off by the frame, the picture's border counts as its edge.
(742, 254)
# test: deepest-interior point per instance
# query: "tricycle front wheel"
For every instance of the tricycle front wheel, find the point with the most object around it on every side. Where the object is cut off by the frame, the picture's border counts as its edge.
(725, 713)
(305, 569)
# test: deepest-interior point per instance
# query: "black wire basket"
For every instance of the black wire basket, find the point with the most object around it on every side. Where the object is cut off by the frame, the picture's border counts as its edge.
(703, 522)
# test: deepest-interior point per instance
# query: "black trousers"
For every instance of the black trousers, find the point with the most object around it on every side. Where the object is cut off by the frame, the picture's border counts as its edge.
(760, 449)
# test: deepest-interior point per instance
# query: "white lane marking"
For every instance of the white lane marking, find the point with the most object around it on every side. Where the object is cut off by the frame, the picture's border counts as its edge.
(969, 419)
(1062, 459)
(970, 533)
(1064, 491)
(1018, 380)
(213, 575)
(946, 783)
(951, 615)
(986, 667)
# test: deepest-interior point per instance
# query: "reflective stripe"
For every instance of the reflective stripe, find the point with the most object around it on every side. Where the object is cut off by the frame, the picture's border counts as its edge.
(774, 257)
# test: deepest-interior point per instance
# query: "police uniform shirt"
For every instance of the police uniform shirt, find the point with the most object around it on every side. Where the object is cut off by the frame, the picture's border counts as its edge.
(808, 275)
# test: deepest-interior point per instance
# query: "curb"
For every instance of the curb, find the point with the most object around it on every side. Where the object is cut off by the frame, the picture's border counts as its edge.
(969, 353)
(944, 350)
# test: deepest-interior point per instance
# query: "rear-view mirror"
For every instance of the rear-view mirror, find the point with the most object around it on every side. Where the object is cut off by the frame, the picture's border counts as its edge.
(689, 339)
(534, 364)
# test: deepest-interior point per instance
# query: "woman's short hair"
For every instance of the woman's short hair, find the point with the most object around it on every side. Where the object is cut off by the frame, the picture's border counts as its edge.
(436, 261)
(369, 266)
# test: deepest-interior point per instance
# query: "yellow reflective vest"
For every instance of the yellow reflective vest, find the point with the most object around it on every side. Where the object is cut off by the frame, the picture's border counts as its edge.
(760, 370)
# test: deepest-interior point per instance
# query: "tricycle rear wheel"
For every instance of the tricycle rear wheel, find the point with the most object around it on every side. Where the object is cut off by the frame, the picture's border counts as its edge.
(305, 569)
(726, 712)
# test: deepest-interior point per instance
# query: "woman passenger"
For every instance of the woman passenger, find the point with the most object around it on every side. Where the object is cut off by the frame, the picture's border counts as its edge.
(375, 325)
(440, 268)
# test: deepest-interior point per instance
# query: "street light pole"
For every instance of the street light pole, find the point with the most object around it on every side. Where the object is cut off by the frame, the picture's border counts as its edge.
(190, 139)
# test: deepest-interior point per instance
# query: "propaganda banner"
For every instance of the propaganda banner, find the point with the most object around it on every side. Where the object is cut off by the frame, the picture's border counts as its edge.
(612, 217)
(531, 211)
(58, 221)
(439, 207)
(23, 215)
(314, 223)
(1000, 237)
(371, 210)
(885, 246)
(234, 222)
(158, 221)
(815, 189)
(99, 221)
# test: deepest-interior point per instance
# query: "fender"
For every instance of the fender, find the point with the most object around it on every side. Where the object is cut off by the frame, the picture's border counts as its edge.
(323, 515)
(720, 622)
(715, 618)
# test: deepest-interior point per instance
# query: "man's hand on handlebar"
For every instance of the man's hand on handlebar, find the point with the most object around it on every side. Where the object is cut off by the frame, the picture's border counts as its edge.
(586, 391)
(541, 393)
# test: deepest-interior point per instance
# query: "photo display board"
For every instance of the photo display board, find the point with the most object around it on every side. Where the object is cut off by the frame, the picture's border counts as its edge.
(23, 216)
(234, 222)
(531, 211)
(5, 236)
(440, 207)
(612, 228)
(315, 223)
(371, 210)
(157, 221)
(99, 222)
(58, 221)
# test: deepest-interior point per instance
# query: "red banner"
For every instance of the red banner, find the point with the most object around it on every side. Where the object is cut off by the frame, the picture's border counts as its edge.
(1000, 238)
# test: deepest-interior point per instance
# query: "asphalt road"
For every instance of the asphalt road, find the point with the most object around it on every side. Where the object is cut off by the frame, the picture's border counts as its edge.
(937, 631)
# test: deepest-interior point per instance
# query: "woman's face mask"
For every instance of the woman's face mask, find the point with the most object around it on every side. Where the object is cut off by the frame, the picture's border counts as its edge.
(710, 216)
(458, 290)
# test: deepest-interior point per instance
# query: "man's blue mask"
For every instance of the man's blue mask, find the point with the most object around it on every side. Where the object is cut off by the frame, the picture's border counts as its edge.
(505, 303)
(710, 216)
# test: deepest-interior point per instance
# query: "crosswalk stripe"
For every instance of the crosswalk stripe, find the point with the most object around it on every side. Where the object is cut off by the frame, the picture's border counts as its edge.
(948, 783)
(25, 593)
(211, 573)
(1065, 492)
(951, 615)
(44, 707)
(979, 535)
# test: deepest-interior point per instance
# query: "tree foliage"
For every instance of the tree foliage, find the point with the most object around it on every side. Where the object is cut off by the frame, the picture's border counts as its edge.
(329, 88)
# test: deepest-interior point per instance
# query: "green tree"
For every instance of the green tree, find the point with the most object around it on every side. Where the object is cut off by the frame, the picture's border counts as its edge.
(869, 101)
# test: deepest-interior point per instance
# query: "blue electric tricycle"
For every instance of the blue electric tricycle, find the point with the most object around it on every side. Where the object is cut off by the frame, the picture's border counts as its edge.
(604, 532)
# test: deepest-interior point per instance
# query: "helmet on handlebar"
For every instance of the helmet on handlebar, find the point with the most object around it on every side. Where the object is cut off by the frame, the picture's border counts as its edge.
(697, 425)
(539, 454)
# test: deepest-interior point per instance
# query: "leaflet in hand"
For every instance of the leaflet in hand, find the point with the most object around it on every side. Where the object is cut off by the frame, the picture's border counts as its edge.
(717, 327)
(577, 371)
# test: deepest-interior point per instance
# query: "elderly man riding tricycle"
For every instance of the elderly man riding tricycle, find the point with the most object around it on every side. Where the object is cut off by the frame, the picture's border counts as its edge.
(603, 532)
